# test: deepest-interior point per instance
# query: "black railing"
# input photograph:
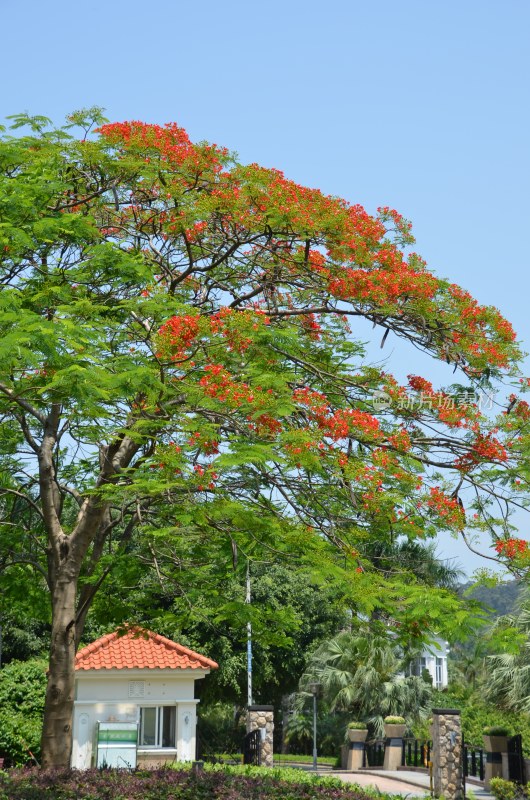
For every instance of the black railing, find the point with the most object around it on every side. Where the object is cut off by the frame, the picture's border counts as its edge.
(416, 753)
(474, 758)
(214, 751)
(252, 748)
(374, 753)
(516, 764)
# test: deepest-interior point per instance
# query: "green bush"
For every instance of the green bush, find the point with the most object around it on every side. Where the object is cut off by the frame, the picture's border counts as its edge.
(357, 726)
(496, 730)
(235, 783)
(477, 714)
(394, 720)
(220, 730)
(22, 690)
(507, 790)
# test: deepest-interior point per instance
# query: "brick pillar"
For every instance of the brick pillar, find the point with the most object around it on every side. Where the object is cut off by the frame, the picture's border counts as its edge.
(447, 754)
(262, 717)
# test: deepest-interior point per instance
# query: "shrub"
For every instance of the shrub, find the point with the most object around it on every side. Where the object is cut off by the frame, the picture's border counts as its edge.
(22, 690)
(507, 790)
(244, 783)
(496, 730)
(476, 714)
(394, 720)
(357, 726)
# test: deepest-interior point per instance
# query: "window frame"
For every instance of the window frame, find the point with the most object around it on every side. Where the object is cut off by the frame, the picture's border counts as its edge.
(439, 672)
(160, 714)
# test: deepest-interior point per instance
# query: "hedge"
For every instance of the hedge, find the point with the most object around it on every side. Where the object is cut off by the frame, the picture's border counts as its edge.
(233, 783)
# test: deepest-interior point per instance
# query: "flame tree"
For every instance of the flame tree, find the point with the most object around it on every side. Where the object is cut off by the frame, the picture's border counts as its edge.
(176, 340)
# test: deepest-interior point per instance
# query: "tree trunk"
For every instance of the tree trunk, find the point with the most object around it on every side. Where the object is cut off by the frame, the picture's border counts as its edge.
(58, 710)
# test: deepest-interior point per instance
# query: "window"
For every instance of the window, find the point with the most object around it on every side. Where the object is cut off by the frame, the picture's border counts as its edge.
(439, 673)
(417, 666)
(157, 726)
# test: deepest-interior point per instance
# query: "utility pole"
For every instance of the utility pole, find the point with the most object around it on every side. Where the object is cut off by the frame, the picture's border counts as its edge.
(249, 643)
(313, 688)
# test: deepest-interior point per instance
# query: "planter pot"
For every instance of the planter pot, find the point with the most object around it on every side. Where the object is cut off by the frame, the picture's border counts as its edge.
(395, 731)
(495, 744)
(357, 735)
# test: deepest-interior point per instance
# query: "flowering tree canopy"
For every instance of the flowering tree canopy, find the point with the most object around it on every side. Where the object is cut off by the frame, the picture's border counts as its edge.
(176, 342)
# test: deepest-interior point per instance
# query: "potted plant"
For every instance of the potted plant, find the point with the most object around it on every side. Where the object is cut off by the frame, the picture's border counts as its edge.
(394, 727)
(357, 731)
(496, 738)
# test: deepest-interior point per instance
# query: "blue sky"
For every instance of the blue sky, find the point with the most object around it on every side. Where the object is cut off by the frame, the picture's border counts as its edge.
(417, 104)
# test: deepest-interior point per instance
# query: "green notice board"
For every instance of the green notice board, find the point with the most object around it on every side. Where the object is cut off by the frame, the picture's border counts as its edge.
(117, 734)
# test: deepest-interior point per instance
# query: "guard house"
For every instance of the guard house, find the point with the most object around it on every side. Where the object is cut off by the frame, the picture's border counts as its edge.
(134, 701)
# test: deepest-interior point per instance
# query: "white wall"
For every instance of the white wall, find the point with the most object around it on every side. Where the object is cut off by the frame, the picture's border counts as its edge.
(116, 696)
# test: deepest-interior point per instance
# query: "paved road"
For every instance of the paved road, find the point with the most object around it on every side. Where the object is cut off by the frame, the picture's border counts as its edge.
(414, 784)
(385, 783)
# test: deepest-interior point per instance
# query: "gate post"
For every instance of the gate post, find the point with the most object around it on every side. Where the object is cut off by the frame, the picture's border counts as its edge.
(262, 718)
(494, 746)
(447, 754)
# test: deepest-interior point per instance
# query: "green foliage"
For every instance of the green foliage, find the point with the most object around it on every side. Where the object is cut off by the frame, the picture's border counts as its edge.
(476, 713)
(394, 720)
(22, 689)
(236, 783)
(357, 726)
(221, 729)
(508, 790)
(292, 610)
(360, 674)
(23, 636)
(497, 730)
(508, 682)
(298, 732)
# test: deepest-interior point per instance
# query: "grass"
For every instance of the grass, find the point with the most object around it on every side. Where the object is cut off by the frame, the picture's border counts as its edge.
(290, 758)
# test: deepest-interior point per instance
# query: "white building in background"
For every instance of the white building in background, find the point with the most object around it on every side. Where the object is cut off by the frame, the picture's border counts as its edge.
(434, 659)
(135, 701)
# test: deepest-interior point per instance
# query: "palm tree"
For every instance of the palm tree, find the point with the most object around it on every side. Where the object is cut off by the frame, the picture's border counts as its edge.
(360, 673)
(508, 684)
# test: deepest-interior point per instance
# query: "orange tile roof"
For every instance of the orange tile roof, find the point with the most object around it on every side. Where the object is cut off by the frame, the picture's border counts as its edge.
(139, 649)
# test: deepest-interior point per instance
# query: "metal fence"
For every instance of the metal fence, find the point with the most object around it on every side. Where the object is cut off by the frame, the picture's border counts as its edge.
(416, 753)
(474, 759)
(252, 748)
(374, 753)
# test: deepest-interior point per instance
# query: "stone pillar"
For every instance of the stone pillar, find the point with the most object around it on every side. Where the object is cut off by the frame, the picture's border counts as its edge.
(355, 756)
(393, 752)
(262, 717)
(448, 775)
(496, 748)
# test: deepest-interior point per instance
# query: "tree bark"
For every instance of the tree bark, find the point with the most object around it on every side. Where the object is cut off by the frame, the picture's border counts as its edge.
(58, 710)
(66, 555)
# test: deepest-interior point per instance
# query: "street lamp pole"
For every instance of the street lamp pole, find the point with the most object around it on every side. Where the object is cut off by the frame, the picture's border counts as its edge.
(314, 687)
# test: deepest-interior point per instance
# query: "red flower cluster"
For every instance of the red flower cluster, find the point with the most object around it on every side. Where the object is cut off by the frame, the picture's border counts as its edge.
(179, 333)
(219, 383)
(196, 192)
(513, 548)
(447, 508)
(337, 424)
(484, 448)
